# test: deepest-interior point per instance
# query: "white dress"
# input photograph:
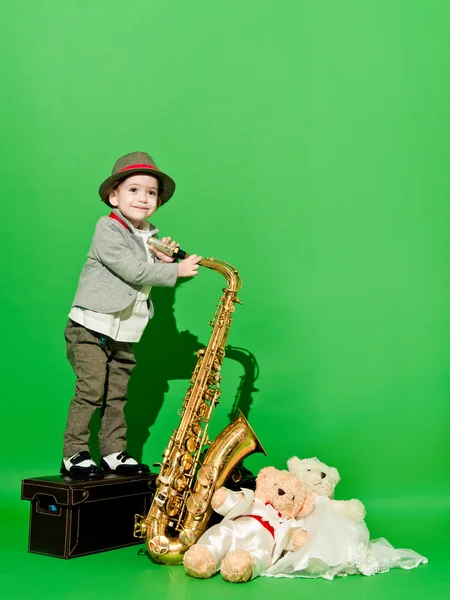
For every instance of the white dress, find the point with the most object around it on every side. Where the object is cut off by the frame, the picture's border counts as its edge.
(340, 546)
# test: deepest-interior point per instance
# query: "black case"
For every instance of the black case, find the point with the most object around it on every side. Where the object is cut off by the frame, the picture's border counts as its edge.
(72, 517)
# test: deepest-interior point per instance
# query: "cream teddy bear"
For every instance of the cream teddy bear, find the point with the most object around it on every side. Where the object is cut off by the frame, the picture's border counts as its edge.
(257, 528)
(339, 540)
(321, 480)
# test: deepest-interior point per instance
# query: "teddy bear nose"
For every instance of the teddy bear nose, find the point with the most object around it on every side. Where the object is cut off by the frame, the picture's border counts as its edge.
(281, 492)
(323, 475)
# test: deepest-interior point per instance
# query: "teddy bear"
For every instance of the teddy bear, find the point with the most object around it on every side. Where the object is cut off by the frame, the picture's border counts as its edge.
(339, 541)
(257, 528)
(321, 480)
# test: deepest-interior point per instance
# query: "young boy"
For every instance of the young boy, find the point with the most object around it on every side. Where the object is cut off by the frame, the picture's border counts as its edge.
(111, 308)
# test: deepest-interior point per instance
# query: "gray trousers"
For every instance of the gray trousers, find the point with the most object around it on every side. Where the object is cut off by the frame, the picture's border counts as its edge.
(103, 368)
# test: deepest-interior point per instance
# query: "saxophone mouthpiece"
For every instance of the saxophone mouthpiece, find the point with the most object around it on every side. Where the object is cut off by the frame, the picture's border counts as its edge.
(166, 249)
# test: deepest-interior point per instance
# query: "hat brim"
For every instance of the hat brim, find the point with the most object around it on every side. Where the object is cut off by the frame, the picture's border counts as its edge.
(168, 184)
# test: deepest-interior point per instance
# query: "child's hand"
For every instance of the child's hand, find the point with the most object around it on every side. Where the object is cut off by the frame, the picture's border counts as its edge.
(160, 255)
(169, 242)
(189, 266)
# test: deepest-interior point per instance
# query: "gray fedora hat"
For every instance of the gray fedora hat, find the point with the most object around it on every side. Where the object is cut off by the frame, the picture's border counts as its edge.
(137, 163)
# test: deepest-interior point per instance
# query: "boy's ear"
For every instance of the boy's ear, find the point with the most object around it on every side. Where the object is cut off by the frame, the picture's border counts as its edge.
(112, 198)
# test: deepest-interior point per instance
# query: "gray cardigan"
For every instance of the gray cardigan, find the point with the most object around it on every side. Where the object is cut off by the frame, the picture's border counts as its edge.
(117, 268)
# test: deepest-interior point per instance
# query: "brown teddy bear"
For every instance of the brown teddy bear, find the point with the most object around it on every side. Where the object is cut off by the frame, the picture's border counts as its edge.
(257, 528)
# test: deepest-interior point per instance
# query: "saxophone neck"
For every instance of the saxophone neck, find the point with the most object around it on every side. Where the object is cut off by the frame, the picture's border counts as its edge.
(230, 273)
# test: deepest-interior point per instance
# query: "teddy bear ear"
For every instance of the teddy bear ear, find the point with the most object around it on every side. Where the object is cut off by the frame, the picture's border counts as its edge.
(264, 473)
(294, 465)
(335, 477)
(308, 505)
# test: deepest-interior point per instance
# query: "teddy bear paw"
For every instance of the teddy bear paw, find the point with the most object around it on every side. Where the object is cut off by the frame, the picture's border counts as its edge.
(299, 538)
(219, 498)
(237, 566)
(356, 509)
(199, 562)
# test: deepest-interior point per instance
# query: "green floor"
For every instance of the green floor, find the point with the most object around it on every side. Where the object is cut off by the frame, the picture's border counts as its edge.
(129, 574)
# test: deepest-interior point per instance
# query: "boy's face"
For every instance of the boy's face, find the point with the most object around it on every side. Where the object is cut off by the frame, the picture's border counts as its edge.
(136, 197)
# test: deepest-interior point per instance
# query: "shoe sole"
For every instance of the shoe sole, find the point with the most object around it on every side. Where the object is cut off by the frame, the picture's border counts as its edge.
(81, 474)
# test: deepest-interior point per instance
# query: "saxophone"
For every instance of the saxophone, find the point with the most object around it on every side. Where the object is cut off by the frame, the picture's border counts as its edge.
(188, 476)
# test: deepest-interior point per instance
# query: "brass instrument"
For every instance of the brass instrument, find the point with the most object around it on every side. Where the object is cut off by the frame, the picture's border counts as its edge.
(181, 509)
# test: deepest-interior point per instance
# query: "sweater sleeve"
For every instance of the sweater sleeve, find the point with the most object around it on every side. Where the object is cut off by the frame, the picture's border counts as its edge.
(110, 247)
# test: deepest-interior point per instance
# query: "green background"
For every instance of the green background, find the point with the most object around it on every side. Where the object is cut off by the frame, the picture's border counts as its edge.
(310, 143)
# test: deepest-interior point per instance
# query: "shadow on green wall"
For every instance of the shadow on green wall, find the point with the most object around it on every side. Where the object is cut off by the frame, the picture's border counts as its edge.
(244, 394)
(165, 354)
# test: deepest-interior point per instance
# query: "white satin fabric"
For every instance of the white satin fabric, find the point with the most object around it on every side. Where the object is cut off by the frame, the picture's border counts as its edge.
(244, 533)
(236, 532)
(340, 546)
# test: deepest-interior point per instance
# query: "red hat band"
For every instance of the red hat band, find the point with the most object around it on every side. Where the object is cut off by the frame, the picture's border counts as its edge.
(138, 166)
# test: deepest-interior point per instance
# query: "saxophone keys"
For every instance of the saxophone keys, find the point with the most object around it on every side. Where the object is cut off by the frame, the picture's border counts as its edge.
(160, 498)
(206, 475)
(179, 483)
(191, 444)
(196, 429)
(186, 462)
(140, 527)
(159, 544)
(196, 504)
(173, 507)
(187, 537)
(203, 411)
